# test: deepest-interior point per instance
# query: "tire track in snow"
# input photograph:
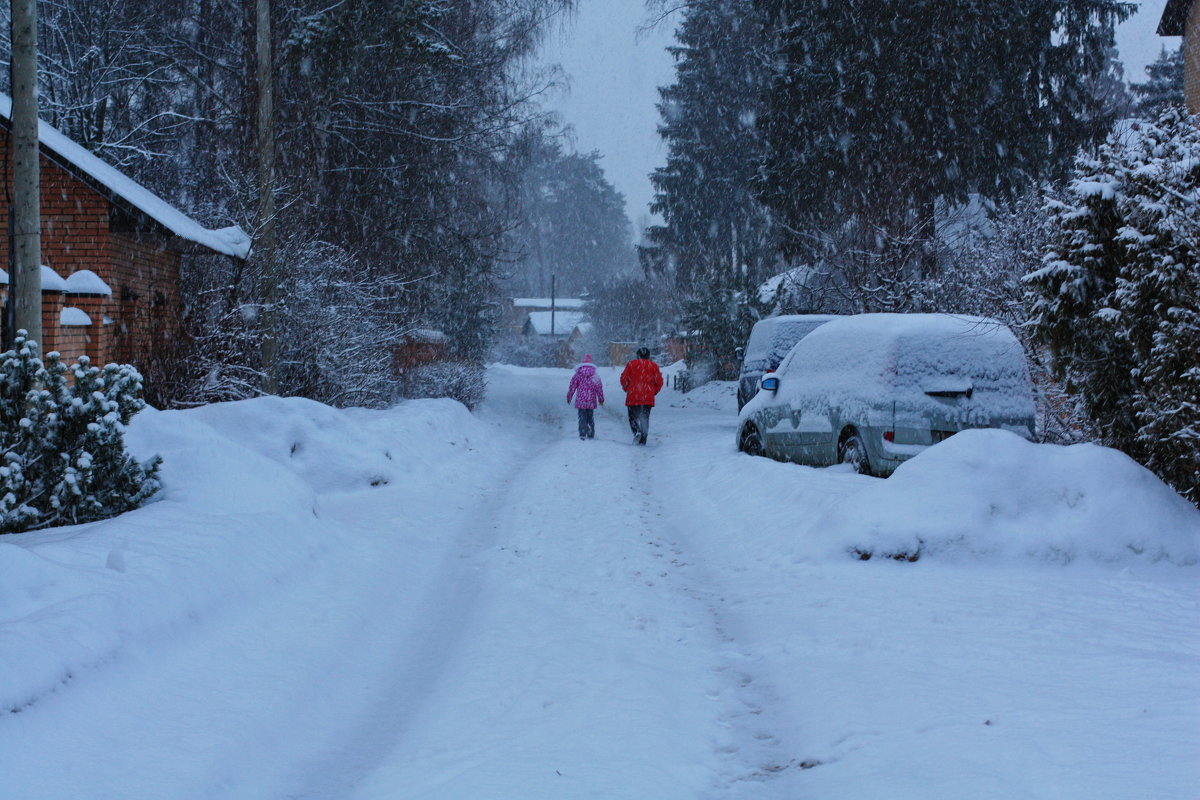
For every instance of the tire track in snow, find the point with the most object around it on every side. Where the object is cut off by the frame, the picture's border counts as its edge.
(433, 629)
(746, 744)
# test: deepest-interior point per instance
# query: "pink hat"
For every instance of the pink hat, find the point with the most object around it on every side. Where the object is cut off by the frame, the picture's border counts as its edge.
(587, 359)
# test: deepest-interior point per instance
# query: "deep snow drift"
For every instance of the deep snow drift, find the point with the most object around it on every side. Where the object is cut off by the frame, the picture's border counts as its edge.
(422, 602)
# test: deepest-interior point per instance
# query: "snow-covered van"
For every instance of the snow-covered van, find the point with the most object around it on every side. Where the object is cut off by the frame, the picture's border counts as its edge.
(874, 390)
(770, 340)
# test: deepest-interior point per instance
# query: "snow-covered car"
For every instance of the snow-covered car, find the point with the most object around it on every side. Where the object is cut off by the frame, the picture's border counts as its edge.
(770, 340)
(874, 390)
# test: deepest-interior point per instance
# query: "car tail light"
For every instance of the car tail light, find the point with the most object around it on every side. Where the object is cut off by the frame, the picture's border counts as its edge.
(889, 436)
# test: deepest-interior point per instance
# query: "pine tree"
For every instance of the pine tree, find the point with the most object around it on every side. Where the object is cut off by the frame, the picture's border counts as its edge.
(1118, 295)
(572, 223)
(714, 227)
(1165, 86)
(64, 459)
(877, 109)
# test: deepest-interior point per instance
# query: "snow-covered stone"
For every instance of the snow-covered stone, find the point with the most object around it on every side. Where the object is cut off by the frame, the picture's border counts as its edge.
(73, 317)
(52, 281)
(84, 281)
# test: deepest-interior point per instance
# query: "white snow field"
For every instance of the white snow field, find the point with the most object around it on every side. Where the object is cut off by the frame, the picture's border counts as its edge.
(426, 603)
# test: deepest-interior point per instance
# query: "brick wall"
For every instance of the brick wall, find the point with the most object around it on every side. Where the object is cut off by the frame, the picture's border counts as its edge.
(146, 306)
(52, 305)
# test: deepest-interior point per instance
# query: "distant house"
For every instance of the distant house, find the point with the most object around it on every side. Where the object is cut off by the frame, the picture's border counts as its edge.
(562, 331)
(1182, 18)
(522, 307)
(569, 325)
(111, 250)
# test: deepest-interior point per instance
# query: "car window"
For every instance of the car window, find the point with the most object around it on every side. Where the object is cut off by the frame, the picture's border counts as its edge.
(772, 338)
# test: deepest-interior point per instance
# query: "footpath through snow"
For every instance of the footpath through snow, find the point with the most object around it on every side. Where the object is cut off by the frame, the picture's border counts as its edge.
(425, 603)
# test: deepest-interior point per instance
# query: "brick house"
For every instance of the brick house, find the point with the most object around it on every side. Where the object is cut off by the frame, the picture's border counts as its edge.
(1182, 18)
(111, 251)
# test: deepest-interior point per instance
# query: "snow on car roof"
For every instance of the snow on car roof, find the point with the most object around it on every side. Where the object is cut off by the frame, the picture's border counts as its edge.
(232, 241)
(874, 358)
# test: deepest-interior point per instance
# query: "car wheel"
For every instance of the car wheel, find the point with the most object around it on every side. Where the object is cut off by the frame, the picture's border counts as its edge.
(852, 451)
(750, 442)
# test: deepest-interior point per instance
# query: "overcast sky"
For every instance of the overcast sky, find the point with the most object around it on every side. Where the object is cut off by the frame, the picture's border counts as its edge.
(614, 74)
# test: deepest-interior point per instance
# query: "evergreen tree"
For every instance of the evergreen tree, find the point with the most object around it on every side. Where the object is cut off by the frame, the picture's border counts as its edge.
(572, 223)
(1164, 88)
(877, 109)
(714, 227)
(64, 459)
(1118, 296)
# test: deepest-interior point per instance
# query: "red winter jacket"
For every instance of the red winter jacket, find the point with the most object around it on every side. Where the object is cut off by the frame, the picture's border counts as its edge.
(641, 380)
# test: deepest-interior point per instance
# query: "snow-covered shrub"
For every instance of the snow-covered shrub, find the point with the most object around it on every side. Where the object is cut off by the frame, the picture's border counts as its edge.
(64, 458)
(338, 321)
(526, 351)
(461, 381)
(1118, 295)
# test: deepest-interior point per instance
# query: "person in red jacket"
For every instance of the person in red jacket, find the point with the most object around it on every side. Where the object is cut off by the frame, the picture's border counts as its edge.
(641, 380)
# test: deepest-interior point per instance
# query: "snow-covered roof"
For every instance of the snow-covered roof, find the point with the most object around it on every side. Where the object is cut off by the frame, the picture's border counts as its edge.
(232, 241)
(52, 281)
(3, 277)
(564, 322)
(427, 335)
(570, 303)
(72, 316)
(84, 281)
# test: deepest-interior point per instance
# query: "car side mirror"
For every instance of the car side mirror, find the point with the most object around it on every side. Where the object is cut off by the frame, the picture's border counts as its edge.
(771, 383)
(739, 353)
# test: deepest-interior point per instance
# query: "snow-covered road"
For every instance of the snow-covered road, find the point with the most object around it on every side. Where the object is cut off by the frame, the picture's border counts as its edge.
(519, 614)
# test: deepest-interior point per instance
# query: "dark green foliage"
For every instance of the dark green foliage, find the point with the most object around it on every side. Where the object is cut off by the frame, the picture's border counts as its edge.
(714, 227)
(1164, 88)
(718, 319)
(1118, 296)
(572, 223)
(877, 109)
(632, 309)
(64, 458)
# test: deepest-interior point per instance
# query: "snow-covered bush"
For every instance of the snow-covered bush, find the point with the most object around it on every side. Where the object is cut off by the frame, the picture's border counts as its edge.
(1118, 295)
(64, 458)
(461, 381)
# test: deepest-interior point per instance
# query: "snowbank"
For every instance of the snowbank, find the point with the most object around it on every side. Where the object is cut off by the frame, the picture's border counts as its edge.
(991, 494)
(239, 511)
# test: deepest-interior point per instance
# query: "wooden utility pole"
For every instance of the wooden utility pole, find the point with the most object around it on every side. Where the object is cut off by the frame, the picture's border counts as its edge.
(25, 287)
(264, 247)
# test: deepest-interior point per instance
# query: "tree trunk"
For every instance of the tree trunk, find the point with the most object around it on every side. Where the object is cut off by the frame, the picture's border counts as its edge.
(265, 223)
(26, 286)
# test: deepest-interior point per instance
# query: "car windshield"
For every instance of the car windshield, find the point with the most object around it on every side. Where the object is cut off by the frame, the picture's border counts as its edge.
(771, 339)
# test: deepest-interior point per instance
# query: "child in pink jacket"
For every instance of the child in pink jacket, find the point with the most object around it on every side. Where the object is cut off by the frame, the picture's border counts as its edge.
(588, 391)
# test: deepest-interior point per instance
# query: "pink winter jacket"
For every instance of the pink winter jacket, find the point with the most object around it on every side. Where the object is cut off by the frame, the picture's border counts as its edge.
(586, 386)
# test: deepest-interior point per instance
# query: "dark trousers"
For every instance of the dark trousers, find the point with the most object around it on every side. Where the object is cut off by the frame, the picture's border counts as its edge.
(639, 422)
(587, 423)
